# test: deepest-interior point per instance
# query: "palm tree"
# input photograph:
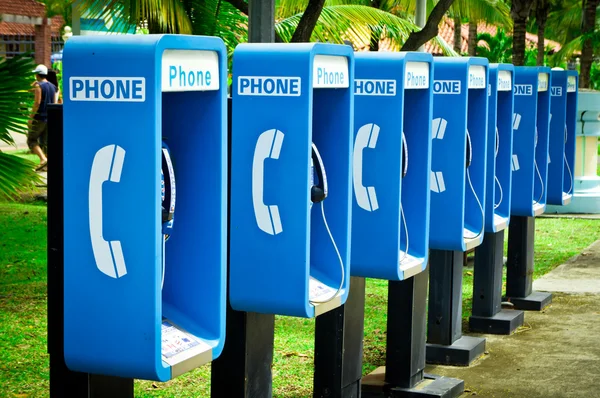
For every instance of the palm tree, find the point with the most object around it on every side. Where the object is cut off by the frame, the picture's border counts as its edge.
(519, 11)
(497, 49)
(16, 173)
(339, 20)
(574, 26)
(495, 12)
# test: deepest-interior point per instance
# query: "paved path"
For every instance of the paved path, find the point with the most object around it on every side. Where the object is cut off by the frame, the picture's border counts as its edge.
(20, 141)
(557, 351)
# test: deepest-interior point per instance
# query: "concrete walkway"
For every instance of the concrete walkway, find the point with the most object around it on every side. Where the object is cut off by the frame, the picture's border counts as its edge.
(557, 351)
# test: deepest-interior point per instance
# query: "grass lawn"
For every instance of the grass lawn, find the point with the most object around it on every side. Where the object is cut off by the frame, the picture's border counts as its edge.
(24, 368)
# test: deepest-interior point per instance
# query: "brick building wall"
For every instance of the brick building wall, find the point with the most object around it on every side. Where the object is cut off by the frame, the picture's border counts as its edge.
(43, 43)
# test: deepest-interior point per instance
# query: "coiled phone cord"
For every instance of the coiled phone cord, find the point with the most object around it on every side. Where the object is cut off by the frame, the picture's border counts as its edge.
(567, 164)
(477, 199)
(339, 258)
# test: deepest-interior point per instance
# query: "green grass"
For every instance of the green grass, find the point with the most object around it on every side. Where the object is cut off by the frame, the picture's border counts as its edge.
(24, 366)
(26, 154)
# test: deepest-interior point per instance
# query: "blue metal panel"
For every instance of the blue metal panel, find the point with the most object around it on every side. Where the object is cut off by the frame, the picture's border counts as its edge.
(116, 114)
(393, 95)
(562, 139)
(285, 97)
(499, 147)
(530, 140)
(460, 108)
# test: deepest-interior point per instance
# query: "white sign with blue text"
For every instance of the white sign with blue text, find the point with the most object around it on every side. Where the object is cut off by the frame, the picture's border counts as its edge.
(330, 71)
(189, 70)
(477, 76)
(571, 84)
(542, 82)
(504, 80)
(416, 75)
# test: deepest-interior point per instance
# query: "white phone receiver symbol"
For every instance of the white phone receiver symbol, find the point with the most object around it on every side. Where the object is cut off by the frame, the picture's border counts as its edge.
(365, 137)
(268, 145)
(108, 162)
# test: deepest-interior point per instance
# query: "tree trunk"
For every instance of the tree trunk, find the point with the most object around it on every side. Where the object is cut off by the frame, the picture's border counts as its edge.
(472, 38)
(541, 16)
(519, 11)
(375, 37)
(308, 21)
(587, 51)
(457, 35)
(430, 30)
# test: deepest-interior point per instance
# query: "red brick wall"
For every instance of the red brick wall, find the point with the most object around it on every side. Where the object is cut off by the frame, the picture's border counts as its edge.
(43, 43)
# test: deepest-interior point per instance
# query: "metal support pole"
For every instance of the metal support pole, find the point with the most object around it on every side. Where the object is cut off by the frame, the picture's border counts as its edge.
(403, 374)
(445, 342)
(519, 266)
(488, 315)
(421, 16)
(339, 346)
(64, 382)
(261, 21)
(244, 367)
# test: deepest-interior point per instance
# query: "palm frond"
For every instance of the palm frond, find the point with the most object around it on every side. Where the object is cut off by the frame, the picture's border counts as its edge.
(16, 175)
(351, 22)
(219, 18)
(15, 98)
(167, 15)
(495, 12)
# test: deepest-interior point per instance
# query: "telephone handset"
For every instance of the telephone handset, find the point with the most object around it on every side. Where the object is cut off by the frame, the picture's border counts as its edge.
(496, 205)
(167, 191)
(404, 156)
(318, 192)
(106, 166)
(567, 163)
(167, 181)
(469, 150)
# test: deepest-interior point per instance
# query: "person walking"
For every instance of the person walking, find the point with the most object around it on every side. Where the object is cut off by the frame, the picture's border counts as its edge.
(45, 93)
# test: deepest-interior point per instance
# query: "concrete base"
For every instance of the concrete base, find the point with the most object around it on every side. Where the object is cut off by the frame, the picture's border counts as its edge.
(504, 322)
(586, 197)
(460, 353)
(432, 386)
(536, 301)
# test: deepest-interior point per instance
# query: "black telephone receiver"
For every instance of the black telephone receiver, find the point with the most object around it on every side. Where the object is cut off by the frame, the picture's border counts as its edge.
(469, 150)
(167, 191)
(404, 156)
(318, 192)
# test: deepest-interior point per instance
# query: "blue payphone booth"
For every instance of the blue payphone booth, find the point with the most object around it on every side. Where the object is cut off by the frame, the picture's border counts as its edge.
(458, 163)
(499, 147)
(145, 245)
(561, 156)
(391, 161)
(292, 130)
(530, 140)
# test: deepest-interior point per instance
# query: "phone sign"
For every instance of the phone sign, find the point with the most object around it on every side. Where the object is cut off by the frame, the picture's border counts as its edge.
(416, 75)
(190, 70)
(504, 80)
(542, 82)
(112, 89)
(571, 84)
(330, 71)
(477, 76)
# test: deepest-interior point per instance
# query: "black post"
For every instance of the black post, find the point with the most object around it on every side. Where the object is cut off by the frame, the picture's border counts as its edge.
(403, 374)
(244, 367)
(519, 266)
(445, 342)
(339, 346)
(64, 382)
(488, 315)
